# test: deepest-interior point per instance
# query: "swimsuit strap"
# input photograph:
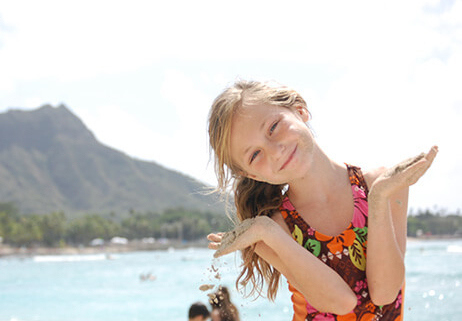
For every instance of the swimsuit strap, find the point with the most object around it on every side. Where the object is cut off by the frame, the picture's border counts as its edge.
(356, 177)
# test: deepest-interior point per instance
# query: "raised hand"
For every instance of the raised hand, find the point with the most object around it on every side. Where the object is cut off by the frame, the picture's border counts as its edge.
(402, 175)
(247, 233)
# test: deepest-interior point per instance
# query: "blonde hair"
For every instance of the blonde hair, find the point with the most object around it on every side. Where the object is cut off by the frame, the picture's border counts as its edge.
(251, 198)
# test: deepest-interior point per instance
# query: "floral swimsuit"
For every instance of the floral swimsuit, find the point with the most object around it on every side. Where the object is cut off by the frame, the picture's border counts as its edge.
(345, 253)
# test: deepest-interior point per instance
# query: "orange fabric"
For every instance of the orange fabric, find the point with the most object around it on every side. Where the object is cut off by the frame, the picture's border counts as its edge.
(299, 304)
(336, 243)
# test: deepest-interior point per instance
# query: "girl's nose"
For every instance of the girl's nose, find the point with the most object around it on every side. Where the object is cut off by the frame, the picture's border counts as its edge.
(275, 150)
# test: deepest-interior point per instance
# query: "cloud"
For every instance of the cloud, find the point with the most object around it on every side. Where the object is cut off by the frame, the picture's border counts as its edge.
(189, 141)
(182, 147)
(396, 67)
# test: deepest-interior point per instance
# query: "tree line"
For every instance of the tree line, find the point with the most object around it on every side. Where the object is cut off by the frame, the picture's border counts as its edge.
(427, 222)
(56, 229)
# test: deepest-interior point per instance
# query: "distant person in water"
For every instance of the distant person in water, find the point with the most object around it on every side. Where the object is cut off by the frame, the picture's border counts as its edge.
(222, 307)
(198, 312)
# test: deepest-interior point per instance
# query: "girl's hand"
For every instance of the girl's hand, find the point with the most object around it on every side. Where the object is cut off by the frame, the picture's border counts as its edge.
(215, 240)
(402, 175)
(247, 233)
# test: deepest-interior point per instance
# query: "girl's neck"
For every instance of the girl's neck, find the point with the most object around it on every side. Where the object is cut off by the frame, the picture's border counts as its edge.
(320, 183)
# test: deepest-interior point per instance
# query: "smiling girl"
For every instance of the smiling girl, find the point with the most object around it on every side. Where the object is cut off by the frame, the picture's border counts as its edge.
(336, 233)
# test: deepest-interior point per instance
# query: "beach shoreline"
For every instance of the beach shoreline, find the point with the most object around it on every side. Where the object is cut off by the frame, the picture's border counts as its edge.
(135, 246)
(8, 250)
(433, 238)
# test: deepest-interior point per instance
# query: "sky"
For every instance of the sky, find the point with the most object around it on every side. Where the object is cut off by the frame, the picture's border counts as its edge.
(382, 79)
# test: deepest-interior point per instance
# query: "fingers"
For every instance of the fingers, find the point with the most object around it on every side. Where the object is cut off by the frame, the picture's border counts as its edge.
(404, 174)
(422, 165)
(214, 245)
(432, 153)
(404, 165)
(416, 164)
(215, 237)
(427, 161)
(215, 240)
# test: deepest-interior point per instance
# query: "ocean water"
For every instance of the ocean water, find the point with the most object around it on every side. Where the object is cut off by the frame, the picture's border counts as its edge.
(97, 287)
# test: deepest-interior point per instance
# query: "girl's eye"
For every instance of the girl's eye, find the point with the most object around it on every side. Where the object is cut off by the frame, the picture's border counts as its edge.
(273, 127)
(254, 155)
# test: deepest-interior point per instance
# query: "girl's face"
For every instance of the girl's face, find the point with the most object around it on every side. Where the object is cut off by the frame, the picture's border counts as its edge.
(271, 143)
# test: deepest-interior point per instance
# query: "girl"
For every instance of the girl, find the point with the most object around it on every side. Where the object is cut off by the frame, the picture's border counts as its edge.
(311, 219)
(222, 307)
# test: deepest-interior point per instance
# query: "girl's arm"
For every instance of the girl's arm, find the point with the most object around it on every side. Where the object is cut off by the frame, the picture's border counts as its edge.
(386, 246)
(323, 288)
(387, 223)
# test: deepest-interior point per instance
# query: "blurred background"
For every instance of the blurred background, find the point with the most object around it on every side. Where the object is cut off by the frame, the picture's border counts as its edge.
(103, 119)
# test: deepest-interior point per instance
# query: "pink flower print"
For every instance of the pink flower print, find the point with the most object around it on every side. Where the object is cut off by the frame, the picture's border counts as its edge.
(310, 231)
(359, 289)
(287, 204)
(324, 317)
(399, 301)
(361, 208)
(361, 284)
(358, 220)
(319, 316)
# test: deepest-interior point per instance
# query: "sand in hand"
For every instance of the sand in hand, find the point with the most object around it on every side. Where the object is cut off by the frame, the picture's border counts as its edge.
(230, 237)
(403, 165)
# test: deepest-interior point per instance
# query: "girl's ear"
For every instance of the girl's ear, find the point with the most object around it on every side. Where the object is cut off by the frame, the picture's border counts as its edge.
(303, 113)
(254, 177)
(245, 174)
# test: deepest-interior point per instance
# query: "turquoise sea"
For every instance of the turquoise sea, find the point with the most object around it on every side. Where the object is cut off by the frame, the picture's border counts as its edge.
(98, 287)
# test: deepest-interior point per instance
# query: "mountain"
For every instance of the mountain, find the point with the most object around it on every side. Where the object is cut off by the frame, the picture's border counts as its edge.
(50, 161)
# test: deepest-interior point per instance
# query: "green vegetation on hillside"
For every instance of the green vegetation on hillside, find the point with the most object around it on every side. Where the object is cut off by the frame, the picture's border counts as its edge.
(52, 162)
(55, 229)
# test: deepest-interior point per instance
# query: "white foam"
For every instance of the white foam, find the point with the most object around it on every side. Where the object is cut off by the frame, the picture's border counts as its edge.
(70, 258)
(454, 248)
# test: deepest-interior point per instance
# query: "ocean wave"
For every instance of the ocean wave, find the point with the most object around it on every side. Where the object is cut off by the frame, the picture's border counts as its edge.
(454, 248)
(71, 258)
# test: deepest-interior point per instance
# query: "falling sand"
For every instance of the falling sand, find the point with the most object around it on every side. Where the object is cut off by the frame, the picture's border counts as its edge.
(206, 287)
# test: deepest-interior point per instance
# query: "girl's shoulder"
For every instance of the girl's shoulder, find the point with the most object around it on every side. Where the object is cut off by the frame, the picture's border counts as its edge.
(370, 175)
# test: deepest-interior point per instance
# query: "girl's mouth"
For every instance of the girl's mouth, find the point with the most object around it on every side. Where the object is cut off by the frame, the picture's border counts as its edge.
(291, 156)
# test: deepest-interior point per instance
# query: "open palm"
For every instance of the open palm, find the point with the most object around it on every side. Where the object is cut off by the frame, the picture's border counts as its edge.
(403, 174)
(247, 233)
